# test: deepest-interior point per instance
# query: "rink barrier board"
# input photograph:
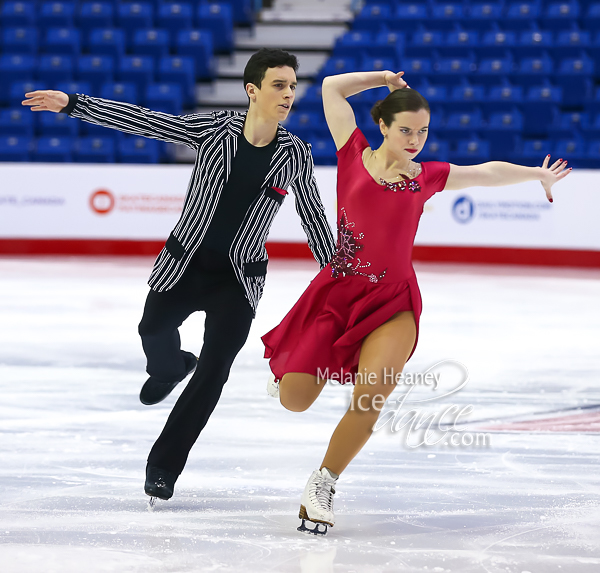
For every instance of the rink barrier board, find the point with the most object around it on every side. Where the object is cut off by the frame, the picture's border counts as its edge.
(288, 250)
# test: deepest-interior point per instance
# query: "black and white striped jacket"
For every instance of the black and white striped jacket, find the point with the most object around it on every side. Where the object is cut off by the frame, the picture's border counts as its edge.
(214, 137)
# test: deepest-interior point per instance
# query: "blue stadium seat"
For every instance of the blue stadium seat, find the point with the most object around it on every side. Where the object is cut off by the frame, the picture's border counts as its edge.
(17, 91)
(354, 44)
(416, 69)
(94, 15)
(96, 70)
(16, 68)
(57, 124)
(138, 150)
(335, 66)
(125, 91)
(592, 18)
(65, 41)
(15, 148)
(458, 122)
(572, 149)
(311, 100)
(242, 11)
(494, 71)
(424, 44)
(502, 99)
(389, 44)
(539, 107)
(106, 42)
(569, 43)
(217, 18)
(466, 97)
(470, 151)
(531, 152)
(502, 132)
(570, 124)
(95, 150)
(179, 70)
(16, 121)
(592, 155)
(370, 64)
(167, 98)
(323, 150)
(533, 71)
(534, 44)
(197, 44)
(133, 16)
(52, 69)
(53, 149)
(483, 16)
(74, 87)
(372, 17)
(175, 17)
(303, 124)
(20, 41)
(561, 16)
(451, 70)
(435, 150)
(575, 76)
(153, 43)
(445, 16)
(437, 96)
(461, 44)
(410, 16)
(136, 69)
(18, 14)
(520, 15)
(496, 44)
(56, 15)
(593, 103)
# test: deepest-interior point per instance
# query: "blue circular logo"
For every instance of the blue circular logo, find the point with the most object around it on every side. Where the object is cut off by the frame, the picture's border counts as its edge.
(463, 209)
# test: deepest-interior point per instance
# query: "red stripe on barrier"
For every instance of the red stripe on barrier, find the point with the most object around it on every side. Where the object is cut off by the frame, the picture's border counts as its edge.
(493, 255)
(583, 422)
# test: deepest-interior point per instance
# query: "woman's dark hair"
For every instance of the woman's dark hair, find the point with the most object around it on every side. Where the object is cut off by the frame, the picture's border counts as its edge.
(404, 99)
(266, 58)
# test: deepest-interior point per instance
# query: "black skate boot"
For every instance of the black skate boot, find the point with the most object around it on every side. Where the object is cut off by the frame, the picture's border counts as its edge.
(159, 483)
(155, 391)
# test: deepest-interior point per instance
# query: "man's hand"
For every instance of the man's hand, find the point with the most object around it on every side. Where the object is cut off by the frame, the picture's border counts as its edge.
(394, 81)
(46, 100)
(550, 175)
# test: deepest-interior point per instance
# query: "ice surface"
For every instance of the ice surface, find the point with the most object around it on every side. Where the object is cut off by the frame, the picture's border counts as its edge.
(74, 437)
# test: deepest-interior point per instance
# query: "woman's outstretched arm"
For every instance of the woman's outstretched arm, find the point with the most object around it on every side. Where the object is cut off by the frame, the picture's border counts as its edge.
(338, 112)
(499, 173)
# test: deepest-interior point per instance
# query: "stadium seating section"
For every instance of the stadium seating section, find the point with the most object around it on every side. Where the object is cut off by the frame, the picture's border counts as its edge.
(150, 52)
(507, 81)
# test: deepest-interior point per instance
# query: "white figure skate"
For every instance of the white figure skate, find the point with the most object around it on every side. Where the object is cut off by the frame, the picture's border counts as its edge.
(316, 504)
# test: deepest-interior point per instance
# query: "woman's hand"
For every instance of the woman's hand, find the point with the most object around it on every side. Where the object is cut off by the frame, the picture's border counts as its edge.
(550, 175)
(394, 81)
(46, 100)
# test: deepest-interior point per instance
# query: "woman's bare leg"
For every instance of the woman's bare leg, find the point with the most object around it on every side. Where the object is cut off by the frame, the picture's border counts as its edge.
(389, 347)
(297, 390)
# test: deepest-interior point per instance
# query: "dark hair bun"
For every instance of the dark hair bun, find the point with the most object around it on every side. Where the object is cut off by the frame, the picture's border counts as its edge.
(376, 111)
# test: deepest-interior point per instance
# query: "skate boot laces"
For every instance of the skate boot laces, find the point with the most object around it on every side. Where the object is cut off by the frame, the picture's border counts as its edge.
(323, 493)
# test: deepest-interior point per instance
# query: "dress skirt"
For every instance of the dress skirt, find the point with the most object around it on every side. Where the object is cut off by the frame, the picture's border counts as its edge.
(323, 332)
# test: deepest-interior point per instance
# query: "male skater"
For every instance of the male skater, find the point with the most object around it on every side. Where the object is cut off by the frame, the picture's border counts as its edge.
(215, 258)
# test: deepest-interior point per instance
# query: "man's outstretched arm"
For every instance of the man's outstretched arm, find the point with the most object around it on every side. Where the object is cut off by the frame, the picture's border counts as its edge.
(126, 117)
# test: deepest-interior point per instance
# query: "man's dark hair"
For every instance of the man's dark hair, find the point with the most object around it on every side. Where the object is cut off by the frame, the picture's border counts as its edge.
(405, 99)
(266, 58)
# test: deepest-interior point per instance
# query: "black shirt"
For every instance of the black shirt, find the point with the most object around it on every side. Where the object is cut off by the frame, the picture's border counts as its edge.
(248, 172)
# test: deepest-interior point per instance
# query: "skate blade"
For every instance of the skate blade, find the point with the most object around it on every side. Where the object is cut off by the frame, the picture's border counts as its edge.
(152, 503)
(318, 529)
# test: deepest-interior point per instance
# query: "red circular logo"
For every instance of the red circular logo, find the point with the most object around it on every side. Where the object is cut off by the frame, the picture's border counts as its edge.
(102, 202)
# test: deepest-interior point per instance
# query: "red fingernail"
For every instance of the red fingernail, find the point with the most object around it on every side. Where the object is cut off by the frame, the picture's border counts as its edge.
(551, 200)
(548, 155)
(560, 159)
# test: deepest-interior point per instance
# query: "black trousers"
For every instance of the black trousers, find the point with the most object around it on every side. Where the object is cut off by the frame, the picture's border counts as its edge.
(226, 327)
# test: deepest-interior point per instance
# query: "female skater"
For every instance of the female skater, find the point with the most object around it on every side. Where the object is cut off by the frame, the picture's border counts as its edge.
(361, 312)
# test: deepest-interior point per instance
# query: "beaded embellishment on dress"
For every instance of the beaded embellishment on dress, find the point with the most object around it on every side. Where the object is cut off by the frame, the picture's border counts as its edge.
(346, 248)
(401, 185)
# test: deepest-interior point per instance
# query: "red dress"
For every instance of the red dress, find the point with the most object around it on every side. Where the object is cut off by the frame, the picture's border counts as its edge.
(370, 277)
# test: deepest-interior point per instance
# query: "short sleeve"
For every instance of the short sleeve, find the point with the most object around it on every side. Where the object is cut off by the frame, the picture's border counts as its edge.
(355, 145)
(436, 175)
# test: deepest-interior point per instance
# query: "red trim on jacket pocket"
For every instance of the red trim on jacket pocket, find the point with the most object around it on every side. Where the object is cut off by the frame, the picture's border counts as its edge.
(280, 191)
